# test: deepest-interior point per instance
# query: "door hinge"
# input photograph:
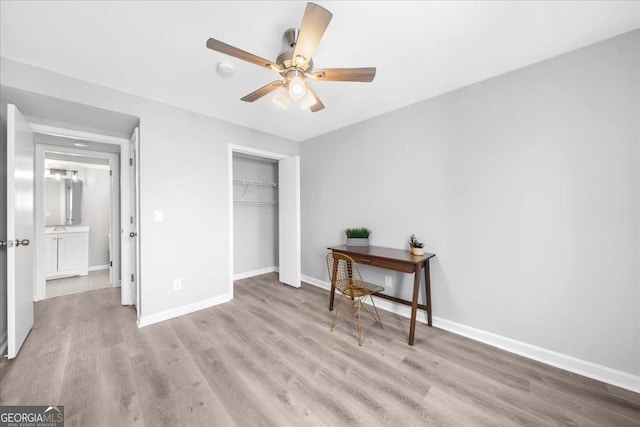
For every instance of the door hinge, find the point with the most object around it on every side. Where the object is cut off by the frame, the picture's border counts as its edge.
(130, 161)
(110, 173)
(132, 277)
(131, 219)
(110, 263)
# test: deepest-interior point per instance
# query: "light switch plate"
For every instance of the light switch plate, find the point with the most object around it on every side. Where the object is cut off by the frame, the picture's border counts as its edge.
(158, 216)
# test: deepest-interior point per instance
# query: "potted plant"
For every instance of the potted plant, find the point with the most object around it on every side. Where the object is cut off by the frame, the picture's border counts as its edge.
(357, 236)
(417, 248)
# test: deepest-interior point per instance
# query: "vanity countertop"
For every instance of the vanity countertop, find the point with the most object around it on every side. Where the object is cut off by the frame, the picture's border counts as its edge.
(61, 229)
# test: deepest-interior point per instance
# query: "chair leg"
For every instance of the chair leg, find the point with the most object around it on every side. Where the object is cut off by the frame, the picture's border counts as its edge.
(377, 318)
(359, 324)
(337, 320)
(374, 315)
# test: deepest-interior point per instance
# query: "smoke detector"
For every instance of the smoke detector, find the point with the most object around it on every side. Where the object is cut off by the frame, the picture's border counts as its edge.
(225, 68)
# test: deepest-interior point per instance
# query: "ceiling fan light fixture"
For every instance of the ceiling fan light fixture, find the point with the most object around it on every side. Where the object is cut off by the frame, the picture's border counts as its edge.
(297, 88)
(294, 63)
(281, 97)
(308, 100)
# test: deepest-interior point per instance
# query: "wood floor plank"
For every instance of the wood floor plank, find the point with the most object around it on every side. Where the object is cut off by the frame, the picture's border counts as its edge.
(80, 390)
(268, 358)
(119, 401)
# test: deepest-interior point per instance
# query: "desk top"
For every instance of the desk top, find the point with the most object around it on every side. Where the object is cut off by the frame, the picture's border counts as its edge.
(381, 252)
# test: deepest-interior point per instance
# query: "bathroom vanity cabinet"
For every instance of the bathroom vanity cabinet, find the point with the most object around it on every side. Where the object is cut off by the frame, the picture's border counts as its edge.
(66, 252)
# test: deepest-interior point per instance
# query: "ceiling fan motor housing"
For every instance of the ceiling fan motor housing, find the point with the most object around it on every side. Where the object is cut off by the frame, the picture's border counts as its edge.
(285, 57)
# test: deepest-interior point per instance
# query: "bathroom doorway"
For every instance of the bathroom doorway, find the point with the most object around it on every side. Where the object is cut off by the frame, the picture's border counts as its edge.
(81, 215)
(84, 147)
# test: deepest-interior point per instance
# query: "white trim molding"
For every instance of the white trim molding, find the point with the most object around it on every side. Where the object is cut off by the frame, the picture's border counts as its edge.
(182, 310)
(559, 360)
(76, 134)
(252, 273)
(99, 267)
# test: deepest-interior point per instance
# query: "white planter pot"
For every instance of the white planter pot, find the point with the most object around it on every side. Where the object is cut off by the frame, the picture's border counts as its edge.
(357, 241)
(417, 251)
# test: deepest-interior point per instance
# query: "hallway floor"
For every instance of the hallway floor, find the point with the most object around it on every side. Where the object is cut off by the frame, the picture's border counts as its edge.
(72, 285)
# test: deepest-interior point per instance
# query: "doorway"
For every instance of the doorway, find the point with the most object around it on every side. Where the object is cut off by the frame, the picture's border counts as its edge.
(82, 221)
(264, 215)
(116, 151)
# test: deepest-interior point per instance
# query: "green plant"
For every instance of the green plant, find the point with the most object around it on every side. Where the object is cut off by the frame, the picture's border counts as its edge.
(414, 243)
(357, 233)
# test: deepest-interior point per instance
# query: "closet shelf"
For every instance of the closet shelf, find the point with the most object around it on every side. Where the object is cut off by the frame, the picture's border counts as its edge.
(256, 183)
(255, 202)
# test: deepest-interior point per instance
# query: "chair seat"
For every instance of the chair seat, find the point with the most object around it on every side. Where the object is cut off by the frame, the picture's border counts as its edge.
(357, 288)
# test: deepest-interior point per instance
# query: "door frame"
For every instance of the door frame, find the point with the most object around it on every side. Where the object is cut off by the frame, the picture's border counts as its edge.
(254, 152)
(125, 255)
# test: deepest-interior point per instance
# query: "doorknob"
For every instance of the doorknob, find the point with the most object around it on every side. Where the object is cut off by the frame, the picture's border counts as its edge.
(132, 234)
(23, 242)
(3, 243)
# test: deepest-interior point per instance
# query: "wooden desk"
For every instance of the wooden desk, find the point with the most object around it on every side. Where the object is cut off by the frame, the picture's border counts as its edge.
(393, 259)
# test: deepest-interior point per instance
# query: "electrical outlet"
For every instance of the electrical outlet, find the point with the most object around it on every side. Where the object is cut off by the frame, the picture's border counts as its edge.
(388, 281)
(177, 284)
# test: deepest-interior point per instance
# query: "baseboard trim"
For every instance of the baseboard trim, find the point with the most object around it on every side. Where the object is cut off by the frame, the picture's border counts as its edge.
(252, 273)
(4, 342)
(99, 267)
(182, 310)
(549, 357)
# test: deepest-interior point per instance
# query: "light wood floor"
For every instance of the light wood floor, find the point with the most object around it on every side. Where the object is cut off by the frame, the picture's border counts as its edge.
(268, 358)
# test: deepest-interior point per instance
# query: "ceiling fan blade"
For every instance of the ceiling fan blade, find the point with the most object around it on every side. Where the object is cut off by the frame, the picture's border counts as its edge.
(318, 105)
(315, 21)
(345, 74)
(227, 49)
(257, 94)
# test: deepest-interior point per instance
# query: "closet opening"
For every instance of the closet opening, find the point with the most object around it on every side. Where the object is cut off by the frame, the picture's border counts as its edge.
(264, 215)
(255, 215)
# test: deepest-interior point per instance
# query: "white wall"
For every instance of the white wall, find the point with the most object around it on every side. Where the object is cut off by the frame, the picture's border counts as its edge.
(184, 171)
(255, 226)
(96, 213)
(527, 188)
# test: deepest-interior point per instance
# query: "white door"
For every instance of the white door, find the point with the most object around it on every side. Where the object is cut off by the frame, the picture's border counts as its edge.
(20, 229)
(289, 221)
(133, 233)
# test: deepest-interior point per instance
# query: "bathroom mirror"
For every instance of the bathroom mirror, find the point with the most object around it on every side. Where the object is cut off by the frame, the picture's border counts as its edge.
(63, 200)
(72, 200)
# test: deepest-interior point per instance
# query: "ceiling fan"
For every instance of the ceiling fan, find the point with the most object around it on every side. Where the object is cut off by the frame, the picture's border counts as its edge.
(294, 63)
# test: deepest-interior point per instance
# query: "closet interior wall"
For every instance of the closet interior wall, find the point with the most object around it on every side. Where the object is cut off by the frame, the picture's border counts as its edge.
(255, 214)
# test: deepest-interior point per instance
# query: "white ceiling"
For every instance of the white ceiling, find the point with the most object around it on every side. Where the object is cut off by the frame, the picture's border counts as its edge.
(156, 49)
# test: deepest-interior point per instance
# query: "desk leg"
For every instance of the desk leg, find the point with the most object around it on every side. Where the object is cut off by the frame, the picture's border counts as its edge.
(333, 284)
(427, 285)
(414, 304)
